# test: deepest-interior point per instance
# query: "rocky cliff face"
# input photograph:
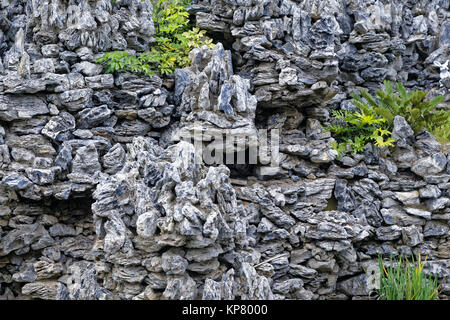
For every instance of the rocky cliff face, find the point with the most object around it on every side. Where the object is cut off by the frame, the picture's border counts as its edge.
(104, 193)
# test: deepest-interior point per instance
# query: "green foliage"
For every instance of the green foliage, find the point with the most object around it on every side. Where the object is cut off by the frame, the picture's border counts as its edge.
(174, 36)
(122, 60)
(420, 114)
(356, 129)
(403, 280)
(442, 133)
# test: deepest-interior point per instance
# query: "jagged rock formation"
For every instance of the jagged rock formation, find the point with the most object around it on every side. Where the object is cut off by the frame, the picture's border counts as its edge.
(105, 195)
(315, 54)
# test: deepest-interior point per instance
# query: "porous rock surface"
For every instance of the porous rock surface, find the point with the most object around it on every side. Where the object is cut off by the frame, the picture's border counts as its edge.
(103, 197)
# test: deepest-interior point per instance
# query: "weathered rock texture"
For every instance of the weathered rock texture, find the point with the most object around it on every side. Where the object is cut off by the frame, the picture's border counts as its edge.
(102, 196)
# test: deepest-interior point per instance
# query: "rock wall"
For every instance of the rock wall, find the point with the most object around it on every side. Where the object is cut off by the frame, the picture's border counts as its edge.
(104, 193)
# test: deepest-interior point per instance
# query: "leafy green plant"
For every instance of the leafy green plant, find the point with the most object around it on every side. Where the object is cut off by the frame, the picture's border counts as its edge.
(357, 128)
(403, 280)
(174, 39)
(418, 112)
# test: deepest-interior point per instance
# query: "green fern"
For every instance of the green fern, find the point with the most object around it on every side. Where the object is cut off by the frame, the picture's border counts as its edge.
(419, 113)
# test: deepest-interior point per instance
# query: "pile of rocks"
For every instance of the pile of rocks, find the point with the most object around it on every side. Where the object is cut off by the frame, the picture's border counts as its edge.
(301, 53)
(102, 196)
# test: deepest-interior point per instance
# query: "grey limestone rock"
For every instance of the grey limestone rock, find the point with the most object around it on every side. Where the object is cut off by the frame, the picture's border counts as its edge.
(222, 290)
(84, 285)
(45, 289)
(87, 68)
(104, 193)
(92, 117)
(430, 165)
(412, 235)
(388, 233)
(435, 228)
(180, 288)
(74, 100)
(355, 286)
(173, 263)
(397, 216)
(253, 286)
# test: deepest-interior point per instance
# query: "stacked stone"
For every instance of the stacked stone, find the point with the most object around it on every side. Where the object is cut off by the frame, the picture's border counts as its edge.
(301, 53)
(63, 122)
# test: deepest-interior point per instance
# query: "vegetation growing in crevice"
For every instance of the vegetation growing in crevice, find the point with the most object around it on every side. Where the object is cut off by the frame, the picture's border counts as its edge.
(418, 112)
(404, 280)
(175, 37)
(442, 132)
(357, 128)
(374, 119)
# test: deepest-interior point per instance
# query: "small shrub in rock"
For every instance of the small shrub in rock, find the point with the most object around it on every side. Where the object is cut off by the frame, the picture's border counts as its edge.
(355, 129)
(175, 38)
(418, 112)
(442, 132)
